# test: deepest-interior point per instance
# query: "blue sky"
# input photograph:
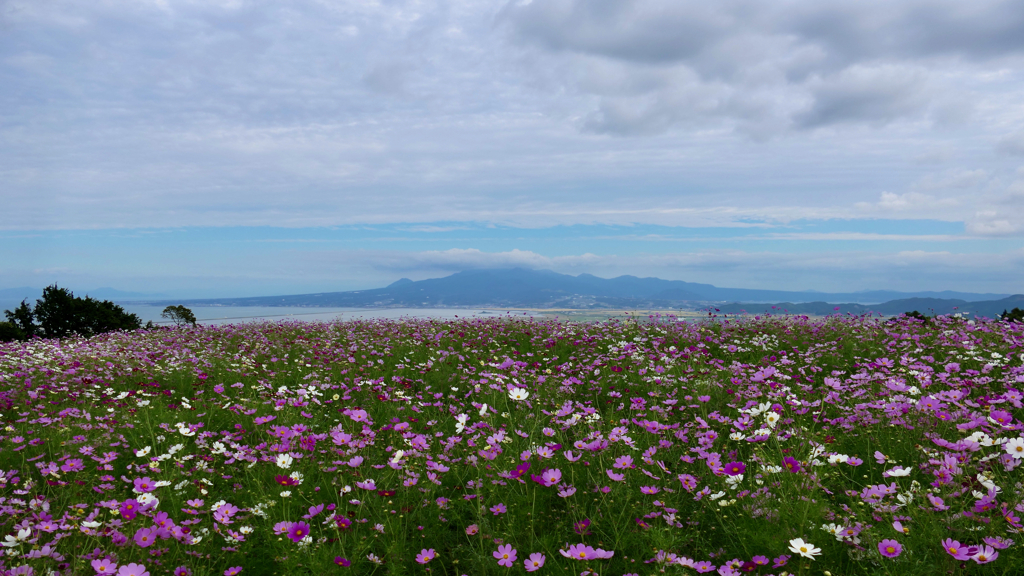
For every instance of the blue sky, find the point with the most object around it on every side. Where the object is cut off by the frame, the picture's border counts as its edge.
(235, 147)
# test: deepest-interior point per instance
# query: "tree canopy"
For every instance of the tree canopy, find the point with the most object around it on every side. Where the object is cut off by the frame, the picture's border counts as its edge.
(59, 313)
(180, 315)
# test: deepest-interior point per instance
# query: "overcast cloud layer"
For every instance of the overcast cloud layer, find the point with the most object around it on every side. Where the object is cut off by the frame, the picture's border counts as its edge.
(829, 128)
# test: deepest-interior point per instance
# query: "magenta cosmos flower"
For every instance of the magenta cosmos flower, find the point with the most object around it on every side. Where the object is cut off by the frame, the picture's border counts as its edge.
(506, 555)
(297, 531)
(233, 571)
(890, 548)
(534, 562)
(342, 561)
(425, 556)
(735, 468)
(791, 464)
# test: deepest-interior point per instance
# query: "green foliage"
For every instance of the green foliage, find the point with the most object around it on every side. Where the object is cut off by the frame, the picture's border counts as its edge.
(60, 313)
(22, 321)
(917, 316)
(1015, 315)
(9, 332)
(180, 315)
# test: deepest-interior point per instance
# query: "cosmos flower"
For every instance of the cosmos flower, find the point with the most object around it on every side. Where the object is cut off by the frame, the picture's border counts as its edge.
(132, 570)
(889, 548)
(985, 554)
(104, 567)
(805, 549)
(534, 562)
(506, 555)
(145, 537)
(735, 468)
(297, 531)
(1015, 447)
(791, 464)
(957, 550)
(614, 476)
(518, 394)
(425, 556)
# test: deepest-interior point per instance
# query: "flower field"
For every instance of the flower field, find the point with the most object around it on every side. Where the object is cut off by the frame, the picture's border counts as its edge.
(763, 445)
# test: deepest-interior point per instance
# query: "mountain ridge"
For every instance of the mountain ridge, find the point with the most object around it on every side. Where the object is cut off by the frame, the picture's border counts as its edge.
(526, 288)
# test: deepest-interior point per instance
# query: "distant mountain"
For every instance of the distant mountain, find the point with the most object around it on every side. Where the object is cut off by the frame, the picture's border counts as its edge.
(20, 293)
(524, 288)
(926, 306)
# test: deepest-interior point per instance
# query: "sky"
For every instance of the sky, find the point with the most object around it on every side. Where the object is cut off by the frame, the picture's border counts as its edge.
(207, 148)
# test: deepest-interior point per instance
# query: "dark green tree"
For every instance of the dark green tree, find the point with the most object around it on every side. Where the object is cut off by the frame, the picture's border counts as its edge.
(9, 332)
(60, 313)
(1015, 315)
(180, 315)
(917, 316)
(23, 320)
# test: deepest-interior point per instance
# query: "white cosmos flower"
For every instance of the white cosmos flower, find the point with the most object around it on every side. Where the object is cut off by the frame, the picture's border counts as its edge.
(483, 410)
(838, 458)
(284, 461)
(518, 394)
(897, 471)
(772, 418)
(398, 455)
(1015, 447)
(805, 549)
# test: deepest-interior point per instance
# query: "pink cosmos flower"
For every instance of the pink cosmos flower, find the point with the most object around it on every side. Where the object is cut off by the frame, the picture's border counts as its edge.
(890, 548)
(182, 571)
(535, 561)
(614, 476)
(103, 566)
(998, 542)
(958, 550)
(472, 529)
(499, 509)
(425, 556)
(650, 489)
(233, 571)
(704, 566)
(145, 537)
(144, 484)
(297, 531)
(133, 570)
(579, 552)
(985, 554)
(623, 462)
(551, 477)
(506, 555)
